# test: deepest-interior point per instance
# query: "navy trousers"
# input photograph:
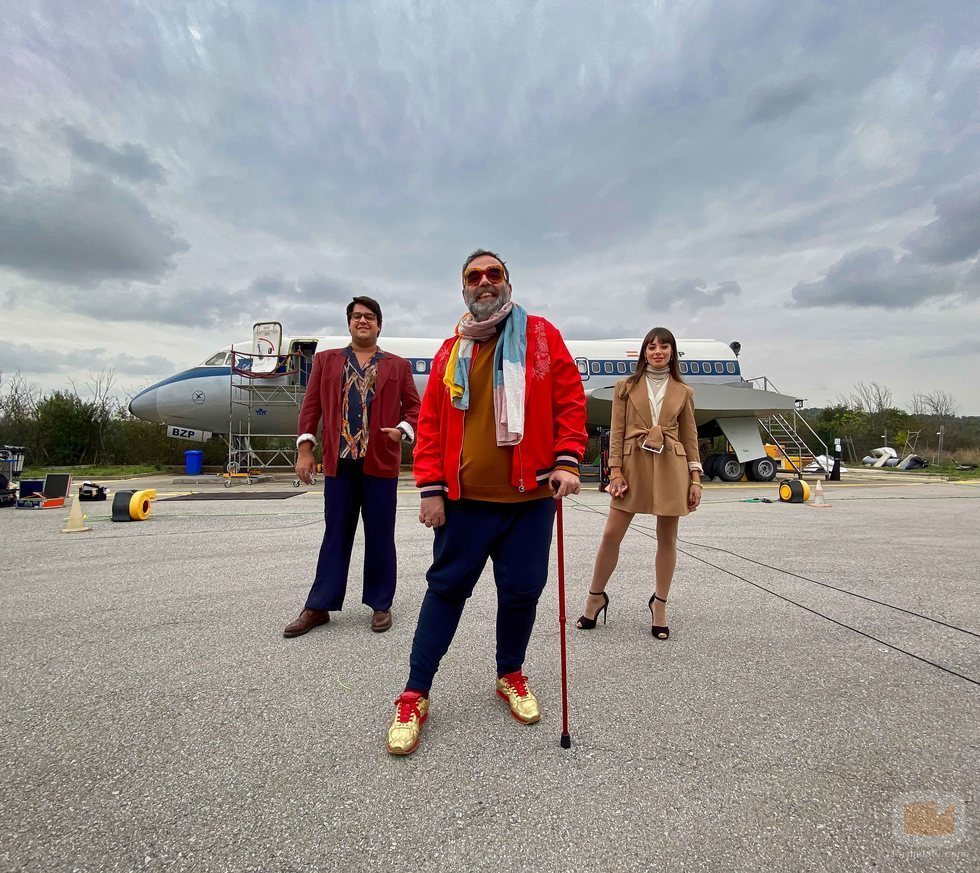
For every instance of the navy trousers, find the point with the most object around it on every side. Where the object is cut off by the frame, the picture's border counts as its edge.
(517, 538)
(345, 496)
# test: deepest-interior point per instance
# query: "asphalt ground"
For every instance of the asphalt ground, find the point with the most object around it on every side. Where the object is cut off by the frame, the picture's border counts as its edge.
(154, 718)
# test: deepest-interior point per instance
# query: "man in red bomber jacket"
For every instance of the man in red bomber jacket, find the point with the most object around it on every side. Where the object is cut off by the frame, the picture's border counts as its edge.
(501, 435)
(367, 403)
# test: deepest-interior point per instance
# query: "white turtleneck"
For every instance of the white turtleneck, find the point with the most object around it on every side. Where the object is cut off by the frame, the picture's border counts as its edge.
(657, 378)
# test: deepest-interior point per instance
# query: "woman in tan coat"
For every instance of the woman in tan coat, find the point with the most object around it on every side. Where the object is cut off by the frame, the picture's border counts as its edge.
(654, 468)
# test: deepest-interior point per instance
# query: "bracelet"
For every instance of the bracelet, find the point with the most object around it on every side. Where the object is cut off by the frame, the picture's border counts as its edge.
(698, 484)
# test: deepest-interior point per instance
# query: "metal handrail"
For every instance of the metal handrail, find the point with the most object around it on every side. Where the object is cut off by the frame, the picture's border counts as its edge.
(275, 374)
(767, 383)
(792, 431)
(826, 452)
(782, 451)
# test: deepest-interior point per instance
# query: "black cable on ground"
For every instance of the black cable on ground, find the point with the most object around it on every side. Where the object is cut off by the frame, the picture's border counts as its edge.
(648, 533)
(962, 630)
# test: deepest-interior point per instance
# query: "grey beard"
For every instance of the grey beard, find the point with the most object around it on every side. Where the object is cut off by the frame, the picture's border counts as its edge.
(484, 309)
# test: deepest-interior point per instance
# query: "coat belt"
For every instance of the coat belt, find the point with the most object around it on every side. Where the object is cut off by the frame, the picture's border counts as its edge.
(654, 438)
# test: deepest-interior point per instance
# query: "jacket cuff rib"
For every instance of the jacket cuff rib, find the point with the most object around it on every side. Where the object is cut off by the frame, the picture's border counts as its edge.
(569, 463)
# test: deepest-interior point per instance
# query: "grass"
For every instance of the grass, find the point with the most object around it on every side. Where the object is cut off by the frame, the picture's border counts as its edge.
(120, 471)
(945, 470)
(951, 471)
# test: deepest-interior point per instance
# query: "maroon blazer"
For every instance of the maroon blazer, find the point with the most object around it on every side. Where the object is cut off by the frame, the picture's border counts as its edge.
(395, 400)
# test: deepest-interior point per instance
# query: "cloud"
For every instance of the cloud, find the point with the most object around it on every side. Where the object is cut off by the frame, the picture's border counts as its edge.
(780, 101)
(955, 233)
(693, 294)
(759, 140)
(959, 349)
(129, 161)
(303, 305)
(84, 233)
(933, 268)
(8, 166)
(876, 277)
(31, 360)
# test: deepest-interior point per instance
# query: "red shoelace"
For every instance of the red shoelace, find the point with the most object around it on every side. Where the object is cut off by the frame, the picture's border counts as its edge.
(408, 705)
(517, 681)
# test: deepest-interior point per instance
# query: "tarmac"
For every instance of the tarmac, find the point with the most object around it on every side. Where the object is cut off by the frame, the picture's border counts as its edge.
(815, 708)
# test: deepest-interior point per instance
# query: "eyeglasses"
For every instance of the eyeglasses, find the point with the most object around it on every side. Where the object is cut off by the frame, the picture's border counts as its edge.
(474, 275)
(364, 316)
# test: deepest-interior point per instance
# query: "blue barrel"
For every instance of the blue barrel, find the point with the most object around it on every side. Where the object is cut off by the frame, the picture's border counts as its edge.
(193, 462)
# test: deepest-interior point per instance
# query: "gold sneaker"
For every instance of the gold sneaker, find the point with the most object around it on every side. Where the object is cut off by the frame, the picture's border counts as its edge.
(411, 711)
(523, 704)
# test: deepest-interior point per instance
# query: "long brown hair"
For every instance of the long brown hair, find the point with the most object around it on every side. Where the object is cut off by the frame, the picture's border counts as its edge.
(665, 336)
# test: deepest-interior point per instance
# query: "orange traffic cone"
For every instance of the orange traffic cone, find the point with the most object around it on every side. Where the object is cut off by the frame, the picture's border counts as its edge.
(76, 521)
(818, 501)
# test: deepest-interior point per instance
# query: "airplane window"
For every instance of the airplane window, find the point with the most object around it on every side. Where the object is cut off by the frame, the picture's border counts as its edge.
(621, 367)
(420, 366)
(607, 366)
(583, 367)
(719, 368)
(695, 367)
(216, 360)
(632, 366)
(730, 366)
(595, 367)
(683, 366)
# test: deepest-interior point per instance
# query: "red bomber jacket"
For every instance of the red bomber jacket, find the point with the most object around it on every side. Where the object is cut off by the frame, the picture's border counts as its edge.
(395, 400)
(554, 418)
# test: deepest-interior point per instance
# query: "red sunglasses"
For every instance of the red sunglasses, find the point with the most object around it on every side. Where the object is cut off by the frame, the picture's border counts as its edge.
(495, 275)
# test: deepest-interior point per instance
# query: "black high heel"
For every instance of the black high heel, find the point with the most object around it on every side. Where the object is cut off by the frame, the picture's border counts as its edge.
(586, 623)
(661, 632)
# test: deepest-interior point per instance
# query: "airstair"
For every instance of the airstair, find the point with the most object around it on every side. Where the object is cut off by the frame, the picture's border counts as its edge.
(266, 393)
(797, 442)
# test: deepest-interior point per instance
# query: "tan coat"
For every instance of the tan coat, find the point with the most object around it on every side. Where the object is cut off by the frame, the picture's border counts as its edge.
(658, 482)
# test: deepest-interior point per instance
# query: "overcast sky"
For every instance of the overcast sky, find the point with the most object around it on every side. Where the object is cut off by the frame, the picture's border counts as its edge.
(801, 177)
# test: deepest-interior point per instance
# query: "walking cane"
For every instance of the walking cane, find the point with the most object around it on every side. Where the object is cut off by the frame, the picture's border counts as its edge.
(566, 740)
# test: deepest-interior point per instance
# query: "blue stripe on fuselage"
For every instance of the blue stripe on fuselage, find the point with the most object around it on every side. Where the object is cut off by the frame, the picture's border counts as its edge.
(195, 373)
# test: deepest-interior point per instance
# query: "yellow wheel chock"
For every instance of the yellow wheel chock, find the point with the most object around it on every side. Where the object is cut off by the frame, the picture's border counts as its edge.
(132, 505)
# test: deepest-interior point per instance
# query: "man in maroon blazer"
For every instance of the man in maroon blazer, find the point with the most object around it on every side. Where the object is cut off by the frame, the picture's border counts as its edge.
(367, 403)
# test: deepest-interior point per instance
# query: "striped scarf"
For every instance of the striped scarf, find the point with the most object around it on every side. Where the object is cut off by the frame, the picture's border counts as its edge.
(508, 369)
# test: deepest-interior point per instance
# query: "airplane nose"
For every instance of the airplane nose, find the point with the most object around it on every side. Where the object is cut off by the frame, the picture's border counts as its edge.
(144, 406)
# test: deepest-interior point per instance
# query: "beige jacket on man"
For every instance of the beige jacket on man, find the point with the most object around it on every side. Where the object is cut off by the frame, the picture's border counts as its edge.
(658, 480)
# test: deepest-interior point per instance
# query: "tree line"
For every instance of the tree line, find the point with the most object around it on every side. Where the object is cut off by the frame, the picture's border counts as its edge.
(868, 418)
(86, 425)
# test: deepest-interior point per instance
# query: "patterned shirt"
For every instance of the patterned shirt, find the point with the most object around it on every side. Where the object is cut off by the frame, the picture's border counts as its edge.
(355, 398)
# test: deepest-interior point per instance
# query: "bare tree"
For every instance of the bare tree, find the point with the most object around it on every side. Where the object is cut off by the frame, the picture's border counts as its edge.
(99, 410)
(871, 398)
(18, 411)
(940, 404)
(918, 406)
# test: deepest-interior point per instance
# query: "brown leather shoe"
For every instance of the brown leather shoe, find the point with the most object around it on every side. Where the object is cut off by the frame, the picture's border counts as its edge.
(308, 619)
(381, 620)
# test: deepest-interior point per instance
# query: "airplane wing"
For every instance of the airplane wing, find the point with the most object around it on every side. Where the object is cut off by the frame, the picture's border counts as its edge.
(710, 402)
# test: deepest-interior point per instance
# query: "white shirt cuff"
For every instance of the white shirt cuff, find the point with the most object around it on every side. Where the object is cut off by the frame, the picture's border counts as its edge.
(694, 465)
(407, 430)
(306, 438)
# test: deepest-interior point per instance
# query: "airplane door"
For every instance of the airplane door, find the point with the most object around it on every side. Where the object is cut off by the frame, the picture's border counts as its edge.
(583, 368)
(266, 340)
(301, 359)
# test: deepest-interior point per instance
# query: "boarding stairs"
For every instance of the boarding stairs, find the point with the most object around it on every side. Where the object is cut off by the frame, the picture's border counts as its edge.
(798, 443)
(265, 384)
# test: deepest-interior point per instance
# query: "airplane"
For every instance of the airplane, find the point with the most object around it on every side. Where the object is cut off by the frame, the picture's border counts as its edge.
(254, 388)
